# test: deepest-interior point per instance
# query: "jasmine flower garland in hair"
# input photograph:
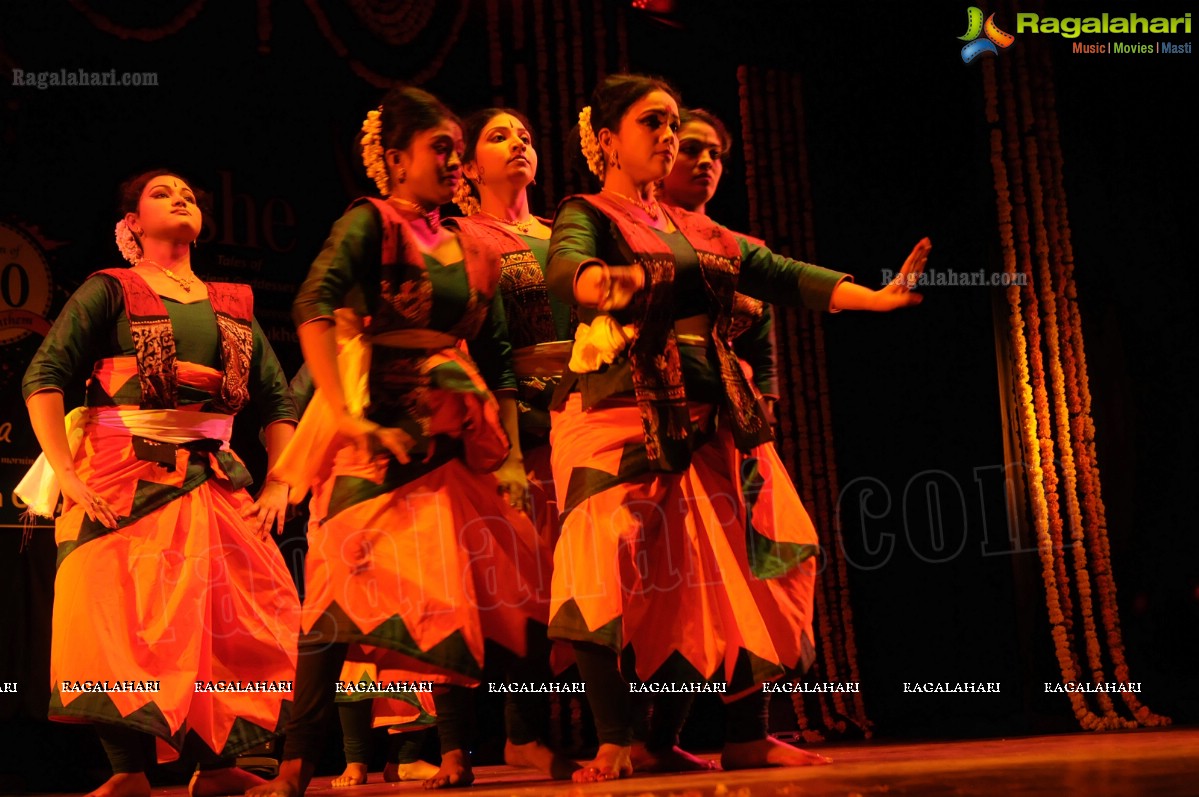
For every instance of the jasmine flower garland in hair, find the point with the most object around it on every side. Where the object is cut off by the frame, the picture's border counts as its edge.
(465, 199)
(372, 150)
(590, 144)
(127, 243)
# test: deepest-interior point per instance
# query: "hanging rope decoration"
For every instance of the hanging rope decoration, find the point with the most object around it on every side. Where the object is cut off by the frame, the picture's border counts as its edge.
(495, 52)
(541, 66)
(264, 27)
(377, 79)
(140, 34)
(770, 138)
(1044, 328)
(520, 38)
(828, 485)
(520, 70)
(548, 56)
(396, 22)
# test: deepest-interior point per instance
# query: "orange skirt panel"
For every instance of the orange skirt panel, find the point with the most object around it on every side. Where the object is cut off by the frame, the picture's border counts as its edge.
(656, 561)
(428, 570)
(184, 593)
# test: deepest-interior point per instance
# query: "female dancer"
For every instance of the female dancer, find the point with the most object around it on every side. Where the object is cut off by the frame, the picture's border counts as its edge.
(407, 716)
(500, 162)
(654, 407)
(168, 586)
(415, 552)
(782, 560)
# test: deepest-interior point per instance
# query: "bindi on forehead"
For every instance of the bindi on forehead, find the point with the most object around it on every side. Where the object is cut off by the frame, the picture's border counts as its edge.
(512, 124)
(175, 184)
(660, 108)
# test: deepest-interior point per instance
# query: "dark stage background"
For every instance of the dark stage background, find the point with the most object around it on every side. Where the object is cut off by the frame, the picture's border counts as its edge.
(260, 103)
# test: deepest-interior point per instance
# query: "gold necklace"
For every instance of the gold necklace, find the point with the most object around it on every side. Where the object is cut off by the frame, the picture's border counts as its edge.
(523, 226)
(431, 217)
(184, 282)
(651, 208)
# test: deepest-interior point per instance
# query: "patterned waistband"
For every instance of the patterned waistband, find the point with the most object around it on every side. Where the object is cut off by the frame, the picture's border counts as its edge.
(414, 339)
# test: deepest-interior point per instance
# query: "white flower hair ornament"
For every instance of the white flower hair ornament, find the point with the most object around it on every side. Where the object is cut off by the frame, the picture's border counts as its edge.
(465, 199)
(131, 250)
(372, 150)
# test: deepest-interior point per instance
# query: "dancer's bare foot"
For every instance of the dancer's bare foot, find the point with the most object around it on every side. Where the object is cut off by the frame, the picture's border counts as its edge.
(124, 784)
(536, 755)
(214, 782)
(355, 775)
(454, 771)
(409, 770)
(672, 759)
(611, 762)
(292, 780)
(768, 752)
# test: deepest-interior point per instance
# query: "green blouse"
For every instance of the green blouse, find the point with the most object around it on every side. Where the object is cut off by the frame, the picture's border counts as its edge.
(583, 235)
(93, 326)
(348, 273)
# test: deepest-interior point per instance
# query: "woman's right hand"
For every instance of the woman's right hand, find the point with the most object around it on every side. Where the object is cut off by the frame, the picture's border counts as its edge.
(371, 438)
(623, 284)
(607, 287)
(93, 503)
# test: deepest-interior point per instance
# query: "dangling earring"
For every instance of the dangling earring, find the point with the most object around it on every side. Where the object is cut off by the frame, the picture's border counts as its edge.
(401, 175)
(481, 181)
(533, 181)
(614, 160)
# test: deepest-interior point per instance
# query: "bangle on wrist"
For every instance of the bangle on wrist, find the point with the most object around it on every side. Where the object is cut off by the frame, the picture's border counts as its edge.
(606, 287)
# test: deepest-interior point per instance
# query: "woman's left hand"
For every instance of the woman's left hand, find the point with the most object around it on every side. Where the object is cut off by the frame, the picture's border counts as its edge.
(899, 293)
(514, 482)
(269, 510)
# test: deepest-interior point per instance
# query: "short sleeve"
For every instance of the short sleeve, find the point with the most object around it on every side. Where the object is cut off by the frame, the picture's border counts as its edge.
(340, 276)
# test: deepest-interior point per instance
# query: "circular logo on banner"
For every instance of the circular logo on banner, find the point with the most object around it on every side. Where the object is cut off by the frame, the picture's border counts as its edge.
(24, 286)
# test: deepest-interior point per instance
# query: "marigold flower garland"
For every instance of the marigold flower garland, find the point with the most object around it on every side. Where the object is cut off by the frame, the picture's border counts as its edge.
(547, 119)
(805, 432)
(814, 334)
(140, 34)
(431, 65)
(790, 427)
(1079, 401)
(1043, 220)
(1027, 412)
(1069, 429)
(395, 23)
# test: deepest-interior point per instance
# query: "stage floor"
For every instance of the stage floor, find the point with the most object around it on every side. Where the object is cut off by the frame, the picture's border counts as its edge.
(1162, 763)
